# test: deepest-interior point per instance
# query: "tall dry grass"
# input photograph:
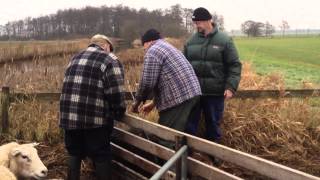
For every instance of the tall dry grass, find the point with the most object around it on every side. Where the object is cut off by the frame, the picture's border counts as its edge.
(46, 74)
(39, 75)
(11, 51)
(132, 60)
(35, 120)
(286, 131)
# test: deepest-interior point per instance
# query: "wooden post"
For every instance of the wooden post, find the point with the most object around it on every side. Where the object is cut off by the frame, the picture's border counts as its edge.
(5, 109)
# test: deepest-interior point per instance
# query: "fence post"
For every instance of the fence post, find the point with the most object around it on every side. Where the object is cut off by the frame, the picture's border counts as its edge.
(5, 109)
(180, 165)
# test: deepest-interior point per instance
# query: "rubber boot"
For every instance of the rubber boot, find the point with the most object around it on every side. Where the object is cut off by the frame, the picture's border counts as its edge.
(74, 168)
(103, 170)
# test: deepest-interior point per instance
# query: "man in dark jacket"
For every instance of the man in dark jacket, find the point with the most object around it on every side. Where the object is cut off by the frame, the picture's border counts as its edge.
(92, 97)
(215, 60)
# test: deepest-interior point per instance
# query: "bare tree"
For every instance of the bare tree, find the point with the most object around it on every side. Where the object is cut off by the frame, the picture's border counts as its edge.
(252, 28)
(246, 27)
(284, 26)
(2, 30)
(218, 20)
(187, 14)
(269, 29)
(174, 21)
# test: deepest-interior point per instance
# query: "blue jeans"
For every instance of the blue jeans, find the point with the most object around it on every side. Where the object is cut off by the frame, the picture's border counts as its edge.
(212, 108)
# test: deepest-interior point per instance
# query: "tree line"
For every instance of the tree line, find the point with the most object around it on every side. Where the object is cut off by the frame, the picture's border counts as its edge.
(256, 29)
(119, 21)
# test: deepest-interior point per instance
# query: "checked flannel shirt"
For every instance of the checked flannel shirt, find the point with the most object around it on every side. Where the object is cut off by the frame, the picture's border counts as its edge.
(167, 75)
(93, 90)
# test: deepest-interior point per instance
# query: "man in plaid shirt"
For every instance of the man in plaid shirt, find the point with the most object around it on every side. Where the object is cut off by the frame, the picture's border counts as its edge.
(92, 98)
(170, 77)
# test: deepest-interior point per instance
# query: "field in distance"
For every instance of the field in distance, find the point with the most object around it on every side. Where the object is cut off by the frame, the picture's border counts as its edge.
(297, 59)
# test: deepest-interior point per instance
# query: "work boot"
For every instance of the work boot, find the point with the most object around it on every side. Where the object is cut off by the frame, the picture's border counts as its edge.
(74, 168)
(103, 170)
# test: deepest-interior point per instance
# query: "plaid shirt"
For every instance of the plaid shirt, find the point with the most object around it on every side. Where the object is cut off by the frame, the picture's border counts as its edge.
(92, 93)
(168, 75)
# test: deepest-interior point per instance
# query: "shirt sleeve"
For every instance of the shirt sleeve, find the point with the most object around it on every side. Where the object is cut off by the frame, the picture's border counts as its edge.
(114, 90)
(149, 78)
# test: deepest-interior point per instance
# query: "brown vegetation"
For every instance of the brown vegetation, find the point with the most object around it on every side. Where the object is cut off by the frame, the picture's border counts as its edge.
(28, 50)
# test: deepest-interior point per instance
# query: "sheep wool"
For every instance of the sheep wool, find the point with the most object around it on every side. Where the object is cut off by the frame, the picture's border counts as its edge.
(5, 151)
(6, 174)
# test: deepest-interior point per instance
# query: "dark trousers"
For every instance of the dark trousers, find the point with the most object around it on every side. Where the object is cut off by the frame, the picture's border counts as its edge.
(177, 117)
(212, 108)
(92, 143)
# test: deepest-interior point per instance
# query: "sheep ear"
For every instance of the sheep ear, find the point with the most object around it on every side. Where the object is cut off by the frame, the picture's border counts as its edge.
(33, 144)
(15, 152)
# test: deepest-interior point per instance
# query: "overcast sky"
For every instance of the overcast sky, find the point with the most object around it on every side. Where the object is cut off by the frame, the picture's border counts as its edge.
(302, 14)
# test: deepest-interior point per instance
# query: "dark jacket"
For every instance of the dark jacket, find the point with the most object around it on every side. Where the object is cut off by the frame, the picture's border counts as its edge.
(92, 93)
(215, 60)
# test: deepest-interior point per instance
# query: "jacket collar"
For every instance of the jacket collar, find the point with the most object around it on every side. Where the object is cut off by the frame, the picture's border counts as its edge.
(212, 33)
(96, 46)
(155, 42)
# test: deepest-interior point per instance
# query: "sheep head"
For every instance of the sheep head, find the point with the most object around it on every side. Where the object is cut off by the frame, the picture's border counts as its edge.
(25, 162)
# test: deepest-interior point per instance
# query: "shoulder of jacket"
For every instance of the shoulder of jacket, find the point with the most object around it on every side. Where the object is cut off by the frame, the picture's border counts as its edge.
(192, 38)
(113, 56)
(224, 36)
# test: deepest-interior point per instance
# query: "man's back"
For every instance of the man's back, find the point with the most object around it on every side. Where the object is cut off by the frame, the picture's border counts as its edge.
(83, 100)
(177, 81)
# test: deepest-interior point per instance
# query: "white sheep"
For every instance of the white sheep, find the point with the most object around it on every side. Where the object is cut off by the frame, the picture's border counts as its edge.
(6, 174)
(22, 160)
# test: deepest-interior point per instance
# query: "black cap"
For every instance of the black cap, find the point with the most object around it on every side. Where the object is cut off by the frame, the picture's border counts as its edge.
(201, 14)
(150, 35)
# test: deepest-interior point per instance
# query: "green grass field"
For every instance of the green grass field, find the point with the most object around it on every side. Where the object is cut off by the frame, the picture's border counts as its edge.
(298, 59)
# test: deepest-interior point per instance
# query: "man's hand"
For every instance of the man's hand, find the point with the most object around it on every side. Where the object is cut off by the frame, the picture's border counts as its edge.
(146, 108)
(228, 94)
(135, 107)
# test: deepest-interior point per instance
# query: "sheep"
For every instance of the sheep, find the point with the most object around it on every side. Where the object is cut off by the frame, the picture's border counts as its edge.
(22, 160)
(6, 174)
